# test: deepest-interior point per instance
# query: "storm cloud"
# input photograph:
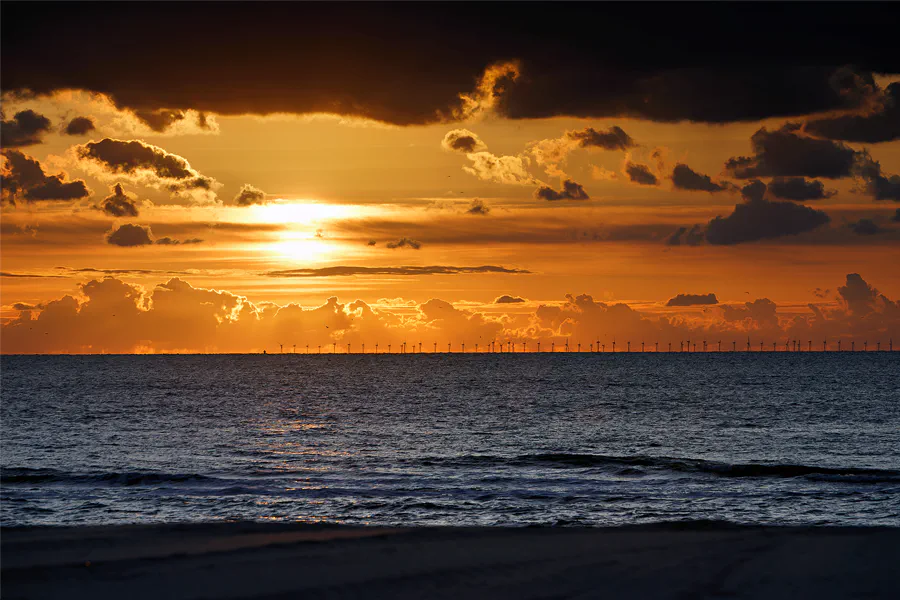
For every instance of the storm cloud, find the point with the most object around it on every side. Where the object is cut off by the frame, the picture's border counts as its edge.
(787, 152)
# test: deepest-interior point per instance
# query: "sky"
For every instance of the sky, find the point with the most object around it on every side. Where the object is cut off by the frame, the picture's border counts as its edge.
(231, 177)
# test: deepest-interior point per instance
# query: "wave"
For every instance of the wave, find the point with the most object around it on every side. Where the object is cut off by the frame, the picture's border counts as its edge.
(22, 475)
(638, 464)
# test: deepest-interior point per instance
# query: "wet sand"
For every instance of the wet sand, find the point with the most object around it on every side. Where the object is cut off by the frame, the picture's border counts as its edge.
(258, 560)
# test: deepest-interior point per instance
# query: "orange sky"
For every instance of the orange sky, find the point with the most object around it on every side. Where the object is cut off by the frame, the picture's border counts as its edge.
(362, 197)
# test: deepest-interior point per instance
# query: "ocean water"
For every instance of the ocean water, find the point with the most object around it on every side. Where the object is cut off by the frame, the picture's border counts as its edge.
(512, 439)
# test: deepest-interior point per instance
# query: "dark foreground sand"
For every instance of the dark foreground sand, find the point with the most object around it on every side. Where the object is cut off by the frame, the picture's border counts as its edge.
(239, 560)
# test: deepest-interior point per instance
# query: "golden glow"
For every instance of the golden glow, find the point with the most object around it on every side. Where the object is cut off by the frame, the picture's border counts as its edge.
(297, 212)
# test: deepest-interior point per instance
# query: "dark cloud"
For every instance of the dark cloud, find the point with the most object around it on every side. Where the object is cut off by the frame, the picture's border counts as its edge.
(896, 217)
(570, 191)
(160, 120)
(754, 191)
(26, 306)
(787, 152)
(685, 236)
(478, 207)
(798, 188)
(79, 126)
(250, 195)
(437, 51)
(167, 241)
(119, 204)
(692, 300)
(29, 275)
(404, 271)
(371, 243)
(405, 242)
(879, 185)
(762, 219)
(879, 124)
(463, 140)
(26, 128)
(685, 178)
(128, 235)
(613, 138)
(865, 227)
(24, 177)
(507, 299)
(639, 173)
(857, 295)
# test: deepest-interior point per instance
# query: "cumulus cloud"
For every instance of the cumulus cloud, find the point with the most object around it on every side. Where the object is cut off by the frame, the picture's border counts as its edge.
(507, 299)
(865, 227)
(876, 182)
(763, 219)
(685, 178)
(26, 128)
(345, 271)
(569, 191)
(131, 235)
(146, 164)
(754, 191)
(613, 138)
(478, 207)
(119, 204)
(552, 154)
(79, 126)
(877, 123)
(249, 195)
(23, 178)
(463, 140)
(798, 188)
(693, 300)
(405, 242)
(502, 169)
(787, 152)
(688, 237)
(640, 173)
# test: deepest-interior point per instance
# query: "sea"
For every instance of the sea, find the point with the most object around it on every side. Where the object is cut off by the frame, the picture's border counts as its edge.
(564, 439)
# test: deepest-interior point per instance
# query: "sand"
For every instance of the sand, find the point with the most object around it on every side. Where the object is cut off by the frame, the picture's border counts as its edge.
(260, 560)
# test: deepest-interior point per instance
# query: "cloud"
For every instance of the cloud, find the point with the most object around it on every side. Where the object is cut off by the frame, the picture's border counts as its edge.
(119, 204)
(79, 126)
(880, 123)
(865, 227)
(345, 271)
(478, 207)
(553, 153)
(685, 178)
(146, 164)
(445, 53)
(613, 138)
(640, 173)
(896, 217)
(162, 120)
(570, 191)
(507, 299)
(405, 242)
(502, 169)
(130, 235)
(798, 188)
(29, 275)
(24, 177)
(879, 185)
(462, 140)
(787, 152)
(688, 237)
(127, 235)
(763, 219)
(754, 191)
(692, 300)
(250, 195)
(26, 128)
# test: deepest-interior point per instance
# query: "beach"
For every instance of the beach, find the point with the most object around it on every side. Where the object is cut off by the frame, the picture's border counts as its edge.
(262, 560)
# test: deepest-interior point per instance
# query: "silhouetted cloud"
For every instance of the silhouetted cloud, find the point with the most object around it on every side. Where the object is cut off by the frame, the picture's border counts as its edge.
(26, 128)
(24, 177)
(754, 191)
(507, 299)
(896, 217)
(798, 188)
(405, 242)
(128, 235)
(79, 126)
(685, 236)
(762, 219)
(787, 152)
(478, 207)
(119, 204)
(692, 300)
(865, 227)
(167, 241)
(570, 191)
(702, 75)
(685, 178)
(29, 275)
(613, 138)
(879, 185)
(462, 140)
(640, 173)
(404, 271)
(250, 195)
(871, 126)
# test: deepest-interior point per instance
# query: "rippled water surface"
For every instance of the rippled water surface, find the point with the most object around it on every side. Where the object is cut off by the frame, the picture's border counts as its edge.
(453, 439)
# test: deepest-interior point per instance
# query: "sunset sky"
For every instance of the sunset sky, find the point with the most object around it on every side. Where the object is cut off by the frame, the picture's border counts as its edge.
(231, 177)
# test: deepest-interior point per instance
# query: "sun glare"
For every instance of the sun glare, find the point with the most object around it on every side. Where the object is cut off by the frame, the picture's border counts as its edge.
(299, 213)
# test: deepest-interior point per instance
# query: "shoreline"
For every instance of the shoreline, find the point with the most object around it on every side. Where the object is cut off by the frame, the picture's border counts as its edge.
(272, 560)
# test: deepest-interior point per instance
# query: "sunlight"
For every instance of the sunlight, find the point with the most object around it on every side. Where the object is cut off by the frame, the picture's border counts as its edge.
(300, 213)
